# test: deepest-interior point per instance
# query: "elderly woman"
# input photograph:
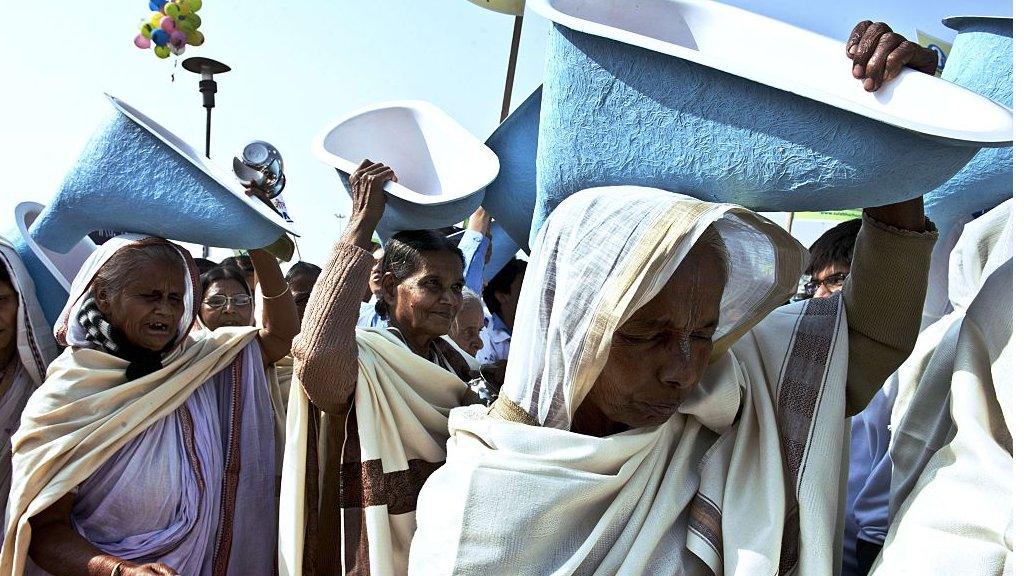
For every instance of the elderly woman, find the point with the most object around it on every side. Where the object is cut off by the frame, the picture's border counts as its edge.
(150, 447)
(380, 397)
(227, 299)
(468, 323)
(658, 417)
(26, 348)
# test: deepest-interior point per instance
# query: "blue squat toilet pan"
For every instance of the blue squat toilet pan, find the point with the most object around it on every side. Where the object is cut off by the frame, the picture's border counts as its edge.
(134, 175)
(511, 197)
(981, 61)
(679, 95)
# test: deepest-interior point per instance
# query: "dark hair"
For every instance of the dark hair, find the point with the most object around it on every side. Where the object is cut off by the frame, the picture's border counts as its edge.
(502, 282)
(223, 273)
(402, 256)
(835, 247)
(301, 268)
(5, 276)
(203, 265)
(242, 262)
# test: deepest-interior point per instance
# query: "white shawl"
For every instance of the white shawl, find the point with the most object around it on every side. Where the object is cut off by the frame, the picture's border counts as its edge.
(36, 348)
(952, 486)
(742, 481)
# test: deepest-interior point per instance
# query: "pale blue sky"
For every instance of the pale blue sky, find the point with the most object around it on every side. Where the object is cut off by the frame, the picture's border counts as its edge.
(298, 66)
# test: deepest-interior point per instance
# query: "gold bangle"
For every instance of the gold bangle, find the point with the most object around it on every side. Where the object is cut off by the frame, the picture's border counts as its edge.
(117, 569)
(286, 291)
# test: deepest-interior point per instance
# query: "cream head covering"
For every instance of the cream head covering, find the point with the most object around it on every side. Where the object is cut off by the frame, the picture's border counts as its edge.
(36, 349)
(602, 255)
(70, 333)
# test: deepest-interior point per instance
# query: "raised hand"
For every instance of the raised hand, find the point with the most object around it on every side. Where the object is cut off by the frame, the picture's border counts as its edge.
(368, 200)
(879, 54)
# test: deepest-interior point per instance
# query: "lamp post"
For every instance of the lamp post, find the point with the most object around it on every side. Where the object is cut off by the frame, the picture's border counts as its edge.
(206, 68)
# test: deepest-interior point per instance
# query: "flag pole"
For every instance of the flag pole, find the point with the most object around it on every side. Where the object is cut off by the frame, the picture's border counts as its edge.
(510, 76)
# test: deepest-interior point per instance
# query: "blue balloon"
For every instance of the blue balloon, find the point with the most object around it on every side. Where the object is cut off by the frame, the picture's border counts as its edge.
(161, 37)
(157, 5)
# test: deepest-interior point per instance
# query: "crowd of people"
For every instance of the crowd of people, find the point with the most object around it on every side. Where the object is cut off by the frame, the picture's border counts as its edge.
(656, 391)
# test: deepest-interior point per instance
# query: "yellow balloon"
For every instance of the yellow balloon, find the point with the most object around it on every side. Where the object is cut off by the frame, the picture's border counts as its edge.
(155, 19)
(513, 7)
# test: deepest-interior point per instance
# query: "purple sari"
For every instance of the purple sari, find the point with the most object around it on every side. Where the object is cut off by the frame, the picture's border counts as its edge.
(196, 490)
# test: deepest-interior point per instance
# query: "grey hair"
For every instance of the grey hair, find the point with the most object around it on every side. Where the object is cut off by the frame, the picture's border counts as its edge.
(123, 266)
(469, 295)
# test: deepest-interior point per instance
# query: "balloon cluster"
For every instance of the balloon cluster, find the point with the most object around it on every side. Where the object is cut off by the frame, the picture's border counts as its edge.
(173, 25)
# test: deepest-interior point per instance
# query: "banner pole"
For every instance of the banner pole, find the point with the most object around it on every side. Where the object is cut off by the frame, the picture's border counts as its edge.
(510, 76)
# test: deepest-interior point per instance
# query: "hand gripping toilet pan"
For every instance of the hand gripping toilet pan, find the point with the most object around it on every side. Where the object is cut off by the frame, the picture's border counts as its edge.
(442, 169)
(706, 99)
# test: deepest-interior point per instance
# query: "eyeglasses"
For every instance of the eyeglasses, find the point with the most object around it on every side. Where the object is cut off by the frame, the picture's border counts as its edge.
(832, 282)
(220, 301)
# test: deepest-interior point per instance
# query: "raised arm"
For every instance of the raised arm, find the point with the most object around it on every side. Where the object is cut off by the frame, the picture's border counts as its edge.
(884, 295)
(475, 247)
(280, 316)
(325, 350)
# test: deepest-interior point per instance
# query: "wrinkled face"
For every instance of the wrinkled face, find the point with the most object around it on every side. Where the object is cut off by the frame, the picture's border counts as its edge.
(466, 329)
(424, 304)
(231, 314)
(301, 286)
(509, 302)
(149, 307)
(659, 354)
(8, 321)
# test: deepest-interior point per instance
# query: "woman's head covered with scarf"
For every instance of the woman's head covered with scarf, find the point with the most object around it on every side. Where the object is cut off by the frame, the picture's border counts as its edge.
(630, 293)
(136, 298)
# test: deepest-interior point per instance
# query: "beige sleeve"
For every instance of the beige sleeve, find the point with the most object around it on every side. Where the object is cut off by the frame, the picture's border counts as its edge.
(325, 353)
(884, 298)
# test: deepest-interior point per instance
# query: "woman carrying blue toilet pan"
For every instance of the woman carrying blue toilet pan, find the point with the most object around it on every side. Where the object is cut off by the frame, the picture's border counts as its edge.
(150, 448)
(661, 414)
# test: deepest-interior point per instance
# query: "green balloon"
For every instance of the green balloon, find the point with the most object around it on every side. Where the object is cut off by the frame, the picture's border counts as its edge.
(172, 10)
(185, 25)
(194, 5)
(194, 19)
(162, 51)
(147, 30)
(195, 38)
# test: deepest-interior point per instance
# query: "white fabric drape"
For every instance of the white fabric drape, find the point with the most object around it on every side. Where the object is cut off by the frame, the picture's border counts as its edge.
(952, 485)
(741, 481)
(626, 242)
(36, 348)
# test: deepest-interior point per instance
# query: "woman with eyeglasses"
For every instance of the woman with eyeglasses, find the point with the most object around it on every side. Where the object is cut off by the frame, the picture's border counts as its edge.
(227, 300)
(150, 448)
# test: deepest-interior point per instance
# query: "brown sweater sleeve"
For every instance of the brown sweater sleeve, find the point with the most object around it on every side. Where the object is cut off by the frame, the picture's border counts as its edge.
(325, 353)
(884, 299)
